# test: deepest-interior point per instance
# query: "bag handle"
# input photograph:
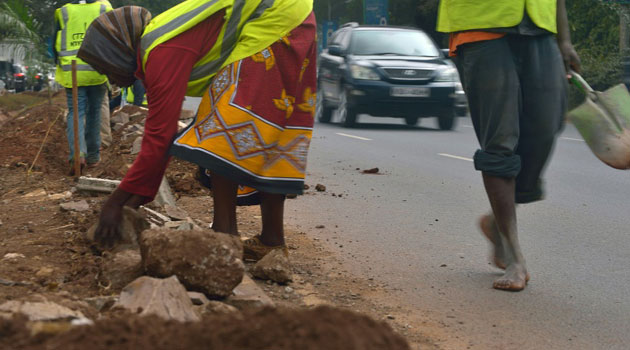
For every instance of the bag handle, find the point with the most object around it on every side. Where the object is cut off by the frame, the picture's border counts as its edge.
(580, 83)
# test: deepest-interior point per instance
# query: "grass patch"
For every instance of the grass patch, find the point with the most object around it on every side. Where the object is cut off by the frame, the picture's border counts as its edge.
(16, 102)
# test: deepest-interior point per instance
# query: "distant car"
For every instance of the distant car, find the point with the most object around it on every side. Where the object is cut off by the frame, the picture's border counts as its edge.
(6, 75)
(387, 71)
(19, 77)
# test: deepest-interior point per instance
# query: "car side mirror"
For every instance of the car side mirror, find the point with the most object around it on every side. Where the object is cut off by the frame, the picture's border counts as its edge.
(335, 50)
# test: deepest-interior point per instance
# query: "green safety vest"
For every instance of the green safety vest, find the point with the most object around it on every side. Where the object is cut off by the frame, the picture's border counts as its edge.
(250, 27)
(461, 15)
(131, 97)
(74, 19)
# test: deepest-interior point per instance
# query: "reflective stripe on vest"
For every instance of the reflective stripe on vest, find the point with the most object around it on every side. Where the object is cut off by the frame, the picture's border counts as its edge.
(283, 16)
(461, 15)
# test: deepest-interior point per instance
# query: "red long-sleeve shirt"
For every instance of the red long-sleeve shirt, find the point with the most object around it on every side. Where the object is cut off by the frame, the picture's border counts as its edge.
(165, 78)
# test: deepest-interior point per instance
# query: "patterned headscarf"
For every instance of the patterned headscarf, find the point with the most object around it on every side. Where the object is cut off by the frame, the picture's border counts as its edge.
(110, 43)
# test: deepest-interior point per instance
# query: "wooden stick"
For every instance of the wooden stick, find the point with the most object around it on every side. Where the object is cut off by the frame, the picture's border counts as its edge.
(75, 119)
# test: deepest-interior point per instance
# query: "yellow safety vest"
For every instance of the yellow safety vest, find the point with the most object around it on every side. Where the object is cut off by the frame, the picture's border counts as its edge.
(461, 15)
(131, 96)
(250, 27)
(74, 19)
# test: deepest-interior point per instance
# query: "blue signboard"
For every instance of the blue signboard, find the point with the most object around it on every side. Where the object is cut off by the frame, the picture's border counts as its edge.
(327, 28)
(375, 12)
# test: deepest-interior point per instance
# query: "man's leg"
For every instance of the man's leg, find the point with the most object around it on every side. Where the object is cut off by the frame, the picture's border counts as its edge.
(82, 99)
(492, 85)
(544, 84)
(224, 195)
(95, 96)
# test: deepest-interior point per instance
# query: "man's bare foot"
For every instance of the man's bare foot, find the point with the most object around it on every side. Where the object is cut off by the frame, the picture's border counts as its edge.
(489, 229)
(515, 279)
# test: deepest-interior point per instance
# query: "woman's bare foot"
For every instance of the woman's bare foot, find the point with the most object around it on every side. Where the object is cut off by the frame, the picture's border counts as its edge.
(490, 230)
(515, 279)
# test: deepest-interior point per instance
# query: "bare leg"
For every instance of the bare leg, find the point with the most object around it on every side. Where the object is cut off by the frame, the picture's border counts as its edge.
(272, 210)
(501, 195)
(224, 194)
(488, 227)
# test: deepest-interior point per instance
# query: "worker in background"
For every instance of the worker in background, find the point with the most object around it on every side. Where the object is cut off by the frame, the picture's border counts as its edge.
(72, 21)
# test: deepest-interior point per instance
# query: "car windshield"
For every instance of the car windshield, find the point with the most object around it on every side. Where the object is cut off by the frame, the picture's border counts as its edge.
(392, 42)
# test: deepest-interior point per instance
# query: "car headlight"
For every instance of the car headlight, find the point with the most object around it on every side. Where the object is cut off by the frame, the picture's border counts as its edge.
(362, 72)
(447, 75)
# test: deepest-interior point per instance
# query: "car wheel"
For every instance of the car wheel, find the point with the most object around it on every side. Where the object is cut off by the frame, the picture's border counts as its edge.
(447, 120)
(411, 121)
(323, 113)
(347, 115)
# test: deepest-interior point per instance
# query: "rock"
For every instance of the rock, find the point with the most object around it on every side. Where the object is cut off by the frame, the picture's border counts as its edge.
(45, 272)
(132, 224)
(166, 298)
(101, 303)
(274, 266)
(120, 269)
(13, 256)
(247, 295)
(204, 261)
(79, 206)
(320, 188)
(120, 118)
(370, 171)
(58, 196)
(39, 311)
(175, 212)
(198, 298)
(137, 143)
(218, 308)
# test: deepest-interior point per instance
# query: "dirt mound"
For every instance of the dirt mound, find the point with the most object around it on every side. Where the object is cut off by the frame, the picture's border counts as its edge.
(278, 329)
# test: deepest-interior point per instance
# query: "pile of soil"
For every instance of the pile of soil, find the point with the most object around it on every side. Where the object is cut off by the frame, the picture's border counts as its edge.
(264, 329)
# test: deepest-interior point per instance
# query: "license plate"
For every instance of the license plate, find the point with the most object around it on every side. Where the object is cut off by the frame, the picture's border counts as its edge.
(400, 91)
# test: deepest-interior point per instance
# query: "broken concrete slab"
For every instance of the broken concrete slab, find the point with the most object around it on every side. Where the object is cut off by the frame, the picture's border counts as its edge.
(165, 195)
(175, 212)
(274, 266)
(132, 224)
(91, 184)
(204, 261)
(79, 206)
(166, 298)
(247, 295)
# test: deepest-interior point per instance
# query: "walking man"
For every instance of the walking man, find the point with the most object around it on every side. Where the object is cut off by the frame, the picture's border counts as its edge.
(72, 21)
(512, 57)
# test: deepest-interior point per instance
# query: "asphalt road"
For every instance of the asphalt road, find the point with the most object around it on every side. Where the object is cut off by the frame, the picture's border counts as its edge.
(414, 228)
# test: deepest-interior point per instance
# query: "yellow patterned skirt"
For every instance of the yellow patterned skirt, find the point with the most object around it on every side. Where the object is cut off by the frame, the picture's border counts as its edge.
(254, 125)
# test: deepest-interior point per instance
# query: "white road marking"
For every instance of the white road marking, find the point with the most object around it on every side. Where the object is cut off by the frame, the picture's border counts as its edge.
(455, 157)
(572, 139)
(354, 137)
(467, 126)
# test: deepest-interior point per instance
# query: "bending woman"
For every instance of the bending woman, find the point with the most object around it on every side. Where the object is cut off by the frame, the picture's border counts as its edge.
(254, 64)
